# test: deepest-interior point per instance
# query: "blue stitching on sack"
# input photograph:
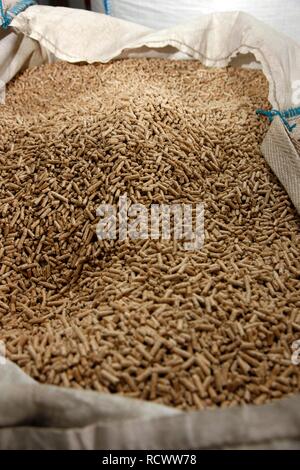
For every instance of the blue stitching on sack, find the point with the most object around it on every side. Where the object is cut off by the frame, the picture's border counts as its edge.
(8, 16)
(284, 115)
(107, 7)
(5, 21)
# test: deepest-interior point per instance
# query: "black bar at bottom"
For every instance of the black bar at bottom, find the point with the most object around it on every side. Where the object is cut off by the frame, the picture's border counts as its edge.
(241, 460)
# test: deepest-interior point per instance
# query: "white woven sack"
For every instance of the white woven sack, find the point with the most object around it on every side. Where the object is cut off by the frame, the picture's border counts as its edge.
(284, 16)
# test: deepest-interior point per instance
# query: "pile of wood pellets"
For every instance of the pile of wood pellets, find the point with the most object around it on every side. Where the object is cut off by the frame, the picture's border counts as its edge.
(145, 318)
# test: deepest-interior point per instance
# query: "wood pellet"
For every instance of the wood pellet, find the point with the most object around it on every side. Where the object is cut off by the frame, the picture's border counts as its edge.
(146, 318)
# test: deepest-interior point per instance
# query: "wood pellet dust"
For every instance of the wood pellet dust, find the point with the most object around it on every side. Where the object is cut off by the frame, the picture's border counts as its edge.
(145, 318)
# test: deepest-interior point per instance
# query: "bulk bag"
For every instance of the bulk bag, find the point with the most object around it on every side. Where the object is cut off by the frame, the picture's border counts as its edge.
(44, 416)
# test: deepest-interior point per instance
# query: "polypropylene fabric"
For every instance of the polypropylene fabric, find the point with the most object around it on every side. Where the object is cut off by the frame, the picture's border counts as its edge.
(281, 150)
(282, 15)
